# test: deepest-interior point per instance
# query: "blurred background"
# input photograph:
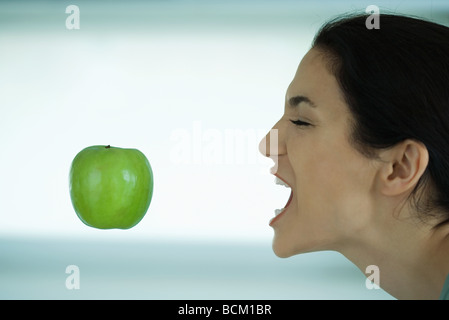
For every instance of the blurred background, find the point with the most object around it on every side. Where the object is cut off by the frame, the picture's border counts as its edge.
(192, 84)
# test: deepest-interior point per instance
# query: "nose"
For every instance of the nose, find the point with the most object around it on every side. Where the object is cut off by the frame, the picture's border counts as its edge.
(272, 145)
(268, 146)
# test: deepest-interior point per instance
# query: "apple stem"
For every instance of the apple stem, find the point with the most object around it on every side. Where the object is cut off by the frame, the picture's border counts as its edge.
(108, 146)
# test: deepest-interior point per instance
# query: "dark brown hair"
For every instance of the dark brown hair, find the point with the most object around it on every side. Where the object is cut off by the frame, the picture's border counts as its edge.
(395, 80)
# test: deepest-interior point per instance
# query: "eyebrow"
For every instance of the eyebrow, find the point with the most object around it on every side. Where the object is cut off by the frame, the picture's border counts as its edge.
(295, 101)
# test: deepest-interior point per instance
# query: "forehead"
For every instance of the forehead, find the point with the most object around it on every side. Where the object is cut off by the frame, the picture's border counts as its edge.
(313, 79)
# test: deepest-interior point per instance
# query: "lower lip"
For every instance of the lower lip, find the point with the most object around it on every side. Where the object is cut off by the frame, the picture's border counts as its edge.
(276, 218)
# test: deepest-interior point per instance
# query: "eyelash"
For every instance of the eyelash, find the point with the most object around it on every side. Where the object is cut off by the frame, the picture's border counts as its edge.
(300, 123)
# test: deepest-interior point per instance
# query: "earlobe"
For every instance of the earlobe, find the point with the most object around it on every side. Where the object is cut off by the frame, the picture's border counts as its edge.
(404, 165)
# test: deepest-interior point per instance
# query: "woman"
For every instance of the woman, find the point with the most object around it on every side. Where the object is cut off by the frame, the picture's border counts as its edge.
(364, 146)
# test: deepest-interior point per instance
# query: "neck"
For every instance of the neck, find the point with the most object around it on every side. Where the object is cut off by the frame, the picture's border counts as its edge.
(412, 257)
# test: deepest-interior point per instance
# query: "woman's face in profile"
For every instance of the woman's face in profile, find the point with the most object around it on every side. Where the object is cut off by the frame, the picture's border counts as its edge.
(331, 182)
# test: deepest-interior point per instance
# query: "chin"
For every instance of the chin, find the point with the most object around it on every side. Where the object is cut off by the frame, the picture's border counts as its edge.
(283, 247)
(283, 250)
(281, 254)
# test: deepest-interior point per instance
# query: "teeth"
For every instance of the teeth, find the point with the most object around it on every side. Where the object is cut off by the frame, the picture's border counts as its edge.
(277, 211)
(280, 182)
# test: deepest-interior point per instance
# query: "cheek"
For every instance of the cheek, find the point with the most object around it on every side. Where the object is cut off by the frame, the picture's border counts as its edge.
(332, 181)
(326, 160)
(319, 167)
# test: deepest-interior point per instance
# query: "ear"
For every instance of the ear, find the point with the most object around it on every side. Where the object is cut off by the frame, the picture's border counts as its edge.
(403, 165)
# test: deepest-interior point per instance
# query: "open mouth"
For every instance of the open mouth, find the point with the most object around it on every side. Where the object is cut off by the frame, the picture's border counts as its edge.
(280, 212)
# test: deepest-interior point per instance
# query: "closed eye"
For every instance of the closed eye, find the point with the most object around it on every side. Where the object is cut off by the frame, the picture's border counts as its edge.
(300, 123)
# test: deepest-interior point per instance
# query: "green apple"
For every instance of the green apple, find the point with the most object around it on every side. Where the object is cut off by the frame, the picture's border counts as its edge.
(110, 187)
